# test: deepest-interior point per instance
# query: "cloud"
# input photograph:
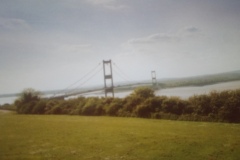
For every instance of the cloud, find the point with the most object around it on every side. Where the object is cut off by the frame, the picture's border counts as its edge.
(100, 2)
(188, 36)
(154, 44)
(166, 45)
(72, 53)
(154, 38)
(108, 4)
(192, 29)
(13, 24)
(74, 48)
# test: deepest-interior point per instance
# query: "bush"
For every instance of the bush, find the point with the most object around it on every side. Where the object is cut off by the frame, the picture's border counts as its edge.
(216, 106)
(143, 92)
(201, 104)
(39, 108)
(90, 106)
(113, 108)
(27, 100)
(56, 110)
(27, 108)
(131, 102)
(143, 110)
(156, 115)
(173, 105)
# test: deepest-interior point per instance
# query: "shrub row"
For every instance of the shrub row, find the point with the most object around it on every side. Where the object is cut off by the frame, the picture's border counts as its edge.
(215, 106)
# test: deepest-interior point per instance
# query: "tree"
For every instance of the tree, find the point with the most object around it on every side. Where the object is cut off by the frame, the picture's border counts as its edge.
(143, 110)
(39, 108)
(230, 110)
(90, 106)
(173, 105)
(113, 108)
(201, 104)
(143, 92)
(29, 95)
(26, 101)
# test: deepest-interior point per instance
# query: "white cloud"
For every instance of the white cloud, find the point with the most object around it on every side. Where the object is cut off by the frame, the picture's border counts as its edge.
(192, 29)
(73, 48)
(166, 38)
(158, 37)
(13, 24)
(100, 2)
(172, 45)
(114, 5)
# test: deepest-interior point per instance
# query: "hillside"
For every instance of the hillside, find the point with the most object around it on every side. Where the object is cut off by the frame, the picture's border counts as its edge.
(200, 80)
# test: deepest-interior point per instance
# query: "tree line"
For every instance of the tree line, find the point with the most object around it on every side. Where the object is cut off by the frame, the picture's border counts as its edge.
(215, 107)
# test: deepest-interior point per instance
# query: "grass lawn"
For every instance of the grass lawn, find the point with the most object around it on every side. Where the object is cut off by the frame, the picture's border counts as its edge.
(110, 138)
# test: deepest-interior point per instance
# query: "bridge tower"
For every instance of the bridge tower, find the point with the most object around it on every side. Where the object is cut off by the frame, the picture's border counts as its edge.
(108, 77)
(154, 79)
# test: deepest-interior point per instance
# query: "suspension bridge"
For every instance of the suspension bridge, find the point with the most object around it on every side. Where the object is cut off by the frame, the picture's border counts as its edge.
(108, 68)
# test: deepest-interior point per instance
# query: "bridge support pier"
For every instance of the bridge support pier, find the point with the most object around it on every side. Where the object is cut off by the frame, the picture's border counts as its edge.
(154, 79)
(108, 78)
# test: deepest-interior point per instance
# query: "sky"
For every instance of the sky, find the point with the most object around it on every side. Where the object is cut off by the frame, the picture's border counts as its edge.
(51, 44)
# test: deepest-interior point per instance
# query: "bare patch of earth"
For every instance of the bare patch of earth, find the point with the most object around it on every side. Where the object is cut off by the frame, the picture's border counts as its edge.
(5, 111)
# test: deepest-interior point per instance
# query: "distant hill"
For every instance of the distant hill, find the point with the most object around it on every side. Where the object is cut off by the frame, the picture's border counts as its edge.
(201, 80)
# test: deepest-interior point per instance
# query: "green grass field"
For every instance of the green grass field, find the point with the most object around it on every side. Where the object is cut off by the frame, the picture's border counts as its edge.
(110, 138)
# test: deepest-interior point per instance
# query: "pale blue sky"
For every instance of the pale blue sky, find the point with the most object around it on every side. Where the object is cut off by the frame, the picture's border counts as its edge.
(49, 44)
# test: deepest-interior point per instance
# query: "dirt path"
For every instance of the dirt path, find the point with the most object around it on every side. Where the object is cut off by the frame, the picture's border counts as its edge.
(5, 111)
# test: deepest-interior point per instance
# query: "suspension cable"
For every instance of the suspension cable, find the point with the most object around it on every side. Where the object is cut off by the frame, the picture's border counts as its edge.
(122, 73)
(64, 90)
(73, 90)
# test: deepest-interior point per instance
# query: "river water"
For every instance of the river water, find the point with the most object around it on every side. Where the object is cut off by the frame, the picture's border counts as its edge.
(182, 92)
(186, 92)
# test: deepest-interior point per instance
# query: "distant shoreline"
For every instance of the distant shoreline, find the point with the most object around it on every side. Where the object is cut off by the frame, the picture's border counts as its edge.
(181, 91)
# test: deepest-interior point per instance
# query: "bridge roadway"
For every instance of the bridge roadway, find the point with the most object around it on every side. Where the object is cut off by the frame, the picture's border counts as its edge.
(118, 87)
(77, 93)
